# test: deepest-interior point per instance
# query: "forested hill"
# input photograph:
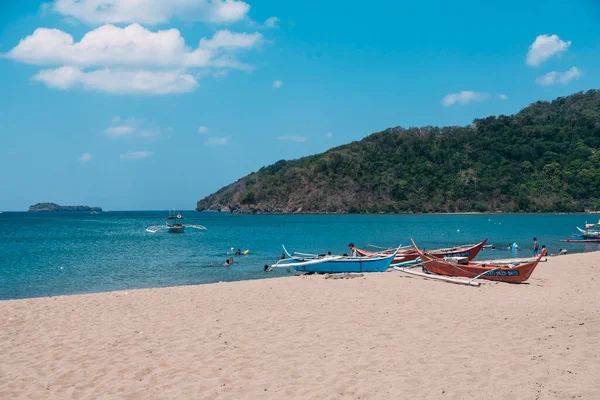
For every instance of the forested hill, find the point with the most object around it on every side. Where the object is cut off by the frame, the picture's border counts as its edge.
(544, 158)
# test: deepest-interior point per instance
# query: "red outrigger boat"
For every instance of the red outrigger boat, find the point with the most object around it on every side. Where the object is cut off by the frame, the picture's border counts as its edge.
(513, 273)
(411, 254)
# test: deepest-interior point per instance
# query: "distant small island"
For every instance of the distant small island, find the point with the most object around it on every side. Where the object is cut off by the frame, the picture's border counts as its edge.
(56, 207)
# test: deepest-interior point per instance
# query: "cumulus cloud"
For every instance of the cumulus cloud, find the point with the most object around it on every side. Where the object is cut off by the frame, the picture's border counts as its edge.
(130, 60)
(216, 141)
(277, 84)
(149, 134)
(133, 45)
(555, 77)
(292, 138)
(85, 157)
(502, 96)
(136, 155)
(119, 131)
(272, 22)
(202, 130)
(225, 39)
(545, 47)
(464, 97)
(119, 81)
(152, 11)
(134, 127)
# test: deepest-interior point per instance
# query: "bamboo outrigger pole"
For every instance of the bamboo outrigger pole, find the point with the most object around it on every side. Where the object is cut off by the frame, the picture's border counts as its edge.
(439, 277)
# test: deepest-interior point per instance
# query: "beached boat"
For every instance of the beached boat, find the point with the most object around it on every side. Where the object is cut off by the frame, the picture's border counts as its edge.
(330, 264)
(174, 224)
(510, 272)
(409, 255)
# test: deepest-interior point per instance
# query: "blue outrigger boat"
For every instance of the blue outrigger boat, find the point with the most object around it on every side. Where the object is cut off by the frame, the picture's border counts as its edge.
(329, 264)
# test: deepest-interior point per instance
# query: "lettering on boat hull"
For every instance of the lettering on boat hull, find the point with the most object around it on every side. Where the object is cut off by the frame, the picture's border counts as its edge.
(503, 273)
(461, 254)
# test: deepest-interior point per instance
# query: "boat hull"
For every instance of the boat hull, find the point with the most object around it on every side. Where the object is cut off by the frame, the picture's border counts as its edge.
(588, 234)
(347, 265)
(517, 274)
(405, 256)
(493, 272)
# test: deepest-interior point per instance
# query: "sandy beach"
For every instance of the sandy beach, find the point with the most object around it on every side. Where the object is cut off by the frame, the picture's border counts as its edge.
(381, 336)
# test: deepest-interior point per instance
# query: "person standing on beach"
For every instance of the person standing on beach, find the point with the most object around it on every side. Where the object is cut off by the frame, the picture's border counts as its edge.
(536, 247)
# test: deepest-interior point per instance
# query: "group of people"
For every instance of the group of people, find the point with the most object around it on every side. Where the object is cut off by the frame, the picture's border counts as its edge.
(537, 250)
(228, 262)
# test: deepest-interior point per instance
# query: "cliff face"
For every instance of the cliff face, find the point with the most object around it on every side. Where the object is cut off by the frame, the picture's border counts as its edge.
(56, 207)
(544, 158)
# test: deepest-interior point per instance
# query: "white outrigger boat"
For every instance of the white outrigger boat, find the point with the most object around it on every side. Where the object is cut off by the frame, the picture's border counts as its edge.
(174, 224)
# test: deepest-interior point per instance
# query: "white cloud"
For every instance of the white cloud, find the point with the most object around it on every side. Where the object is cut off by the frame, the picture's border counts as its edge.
(85, 157)
(502, 96)
(202, 130)
(119, 81)
(132, 46)
(119, 131)
(133, 127)
(298, 139)
(225, 39)
(272, 22)
(545, 47)
(152, 11)
(277, 84)
(130, 60)
(554, 77)
(464, 97)
(136, 155)
(216, 141)
(329, 134)
(220, 74)
(149, 134)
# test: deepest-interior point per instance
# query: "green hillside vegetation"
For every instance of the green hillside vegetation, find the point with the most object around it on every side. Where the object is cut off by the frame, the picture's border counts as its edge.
(542, 159)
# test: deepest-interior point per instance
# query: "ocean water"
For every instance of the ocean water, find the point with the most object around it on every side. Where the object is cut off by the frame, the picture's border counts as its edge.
(49, 254)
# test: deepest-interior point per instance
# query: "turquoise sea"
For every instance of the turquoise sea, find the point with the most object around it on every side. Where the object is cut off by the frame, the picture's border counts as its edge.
(49, 254)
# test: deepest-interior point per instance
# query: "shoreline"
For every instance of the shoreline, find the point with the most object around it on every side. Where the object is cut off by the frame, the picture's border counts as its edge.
(265, 277)
(383, 335)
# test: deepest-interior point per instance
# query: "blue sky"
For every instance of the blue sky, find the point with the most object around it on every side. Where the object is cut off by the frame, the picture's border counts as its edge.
(155, 106)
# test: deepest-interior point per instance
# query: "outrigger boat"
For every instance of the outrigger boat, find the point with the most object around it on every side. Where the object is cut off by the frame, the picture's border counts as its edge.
(408, 255)
(174, 224)
(330, 264)
(590, 233)
(513, 272)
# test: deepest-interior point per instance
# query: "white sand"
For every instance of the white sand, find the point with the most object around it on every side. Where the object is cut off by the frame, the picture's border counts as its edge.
(382, 336)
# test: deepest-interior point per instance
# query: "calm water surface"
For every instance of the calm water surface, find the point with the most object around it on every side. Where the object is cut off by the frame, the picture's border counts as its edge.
(49, 254)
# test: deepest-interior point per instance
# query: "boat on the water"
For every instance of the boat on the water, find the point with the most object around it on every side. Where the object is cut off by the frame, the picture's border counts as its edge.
(175, 223)
(510, 272)
(591, 232)
(409, 255)
(331, 264)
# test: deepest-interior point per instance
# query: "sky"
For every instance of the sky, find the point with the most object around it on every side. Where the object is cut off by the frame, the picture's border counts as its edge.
(154, 104)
